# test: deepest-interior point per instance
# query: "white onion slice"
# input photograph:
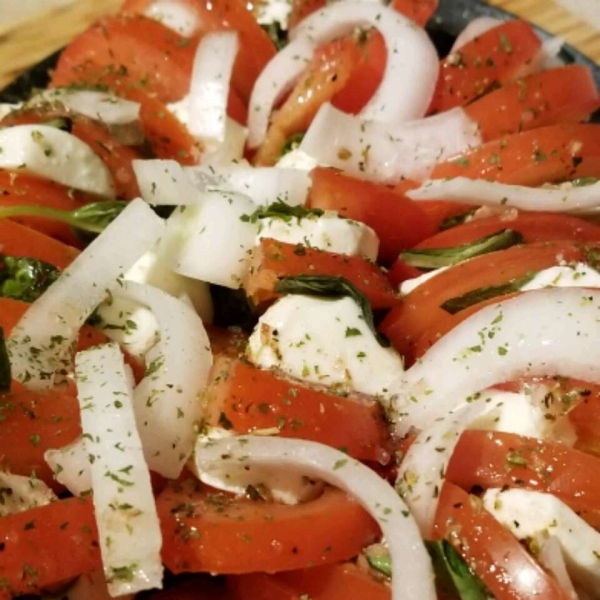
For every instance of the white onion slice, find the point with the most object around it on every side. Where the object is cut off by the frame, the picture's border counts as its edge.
(412, 576)
(41, 343)
(388, 153)
(275, 81)
(174, 15)
(545, 332)
(213, 240)
(164, 183)
(128, 526)
(100, 106)
(56, 155)
(551, 558)
(166, 401)
(473, 30)
(231, 150)
(209, 86)
(19, 493)
(479, 192)
(71, 466)
(91, 586)
(264, 185)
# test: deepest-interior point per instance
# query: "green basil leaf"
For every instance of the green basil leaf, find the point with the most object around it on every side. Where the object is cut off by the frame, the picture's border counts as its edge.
(5, 373)
(292, 143)
(25, 279)
(281, 210)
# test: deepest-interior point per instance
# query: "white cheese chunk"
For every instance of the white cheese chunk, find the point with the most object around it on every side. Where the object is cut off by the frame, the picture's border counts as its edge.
(273, 11)
(534, 515)
(577, 275)
(298, 159)
(326, 232)
(323, 341)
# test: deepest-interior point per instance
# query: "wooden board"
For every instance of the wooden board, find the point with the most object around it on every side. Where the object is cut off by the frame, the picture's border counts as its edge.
(24, 44)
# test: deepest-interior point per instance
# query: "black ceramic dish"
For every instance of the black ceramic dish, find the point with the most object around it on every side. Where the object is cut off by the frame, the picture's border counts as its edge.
(451, 17)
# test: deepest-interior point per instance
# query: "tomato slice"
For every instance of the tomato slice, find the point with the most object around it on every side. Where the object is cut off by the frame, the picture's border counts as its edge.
(256, 48)
(534, 227)
(421, 309)
(141, 49)
(17, 240)
(419, 11)
(326, 74)
(117, 157)
(495, 555)
(212, 532)
(399, 222)
(246, 399)
(565, 95)
(30, 540)
(334, 582)
(18, 189)
(585, 414)
(495, 57)
(273, 260)
(531, 158)
(495, 459)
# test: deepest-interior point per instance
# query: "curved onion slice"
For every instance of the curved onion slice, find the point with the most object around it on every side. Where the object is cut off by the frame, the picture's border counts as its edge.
(209, 86)
(41, 343)
(128, 526)
(412, 577)
(545, 332)
(166, 401)
(550, 557)
(21, 493)
(412, 59)
(473, 30)
(174, 15)
(56, 155)
(97, 105)
(479, 192)
(275, 81)
(71, 466)
(165, 183)
(388, 153)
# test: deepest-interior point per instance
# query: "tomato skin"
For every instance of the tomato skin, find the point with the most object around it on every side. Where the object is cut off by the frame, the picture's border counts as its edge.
(419, 11)
(531, 158)
(273, 260)
(251, 399)
(534, 227)
(496, 56)
(30, 540)
(421, 309)
(400, 272)
(399, 222)
(243, 536)
(491, 550)
(18, 240)
(566, 94)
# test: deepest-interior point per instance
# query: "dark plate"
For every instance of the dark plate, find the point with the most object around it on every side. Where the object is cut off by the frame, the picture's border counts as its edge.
(451, 18)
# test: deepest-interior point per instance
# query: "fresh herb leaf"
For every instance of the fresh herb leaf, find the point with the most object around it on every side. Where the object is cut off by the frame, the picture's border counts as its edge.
(5, 372)
(453, 576)
(381, 563)
(455, 305)
(451, 222)
(25, 279)
(283, 211)
(330, 287)
(583, 181)
(292, 143)
(277, 33)
(434, 258)
(91, 218)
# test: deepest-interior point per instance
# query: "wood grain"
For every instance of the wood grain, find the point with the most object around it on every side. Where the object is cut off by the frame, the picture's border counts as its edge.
(26, 43)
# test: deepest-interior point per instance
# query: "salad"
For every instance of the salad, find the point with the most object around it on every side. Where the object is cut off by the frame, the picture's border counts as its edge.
(294, 309)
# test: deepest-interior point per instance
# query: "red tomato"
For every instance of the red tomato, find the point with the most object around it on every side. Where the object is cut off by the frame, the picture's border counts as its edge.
(248, 399)
(494, 460)
(421, 309)
(18, 189)
(143, 50)
(419, 11)
(273, 260)
(117, 157)
(495, 555)
(585, 414)
(17, 240)
(534, 227)
(531, 158)
(256, 48)
(564, 95)
(399, 223)
(495, 57)
(48, 545)
(212, 532)
(335, 582)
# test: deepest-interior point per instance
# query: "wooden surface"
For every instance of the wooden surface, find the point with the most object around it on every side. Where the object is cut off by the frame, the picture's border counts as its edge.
(24, 44)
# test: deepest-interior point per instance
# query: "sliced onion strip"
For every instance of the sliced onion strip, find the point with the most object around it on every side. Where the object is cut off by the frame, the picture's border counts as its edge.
(479, 192)
(41, 344)
(412, 576)
(164, 183)
(71, 466)
(128, 526)
(20, 493)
